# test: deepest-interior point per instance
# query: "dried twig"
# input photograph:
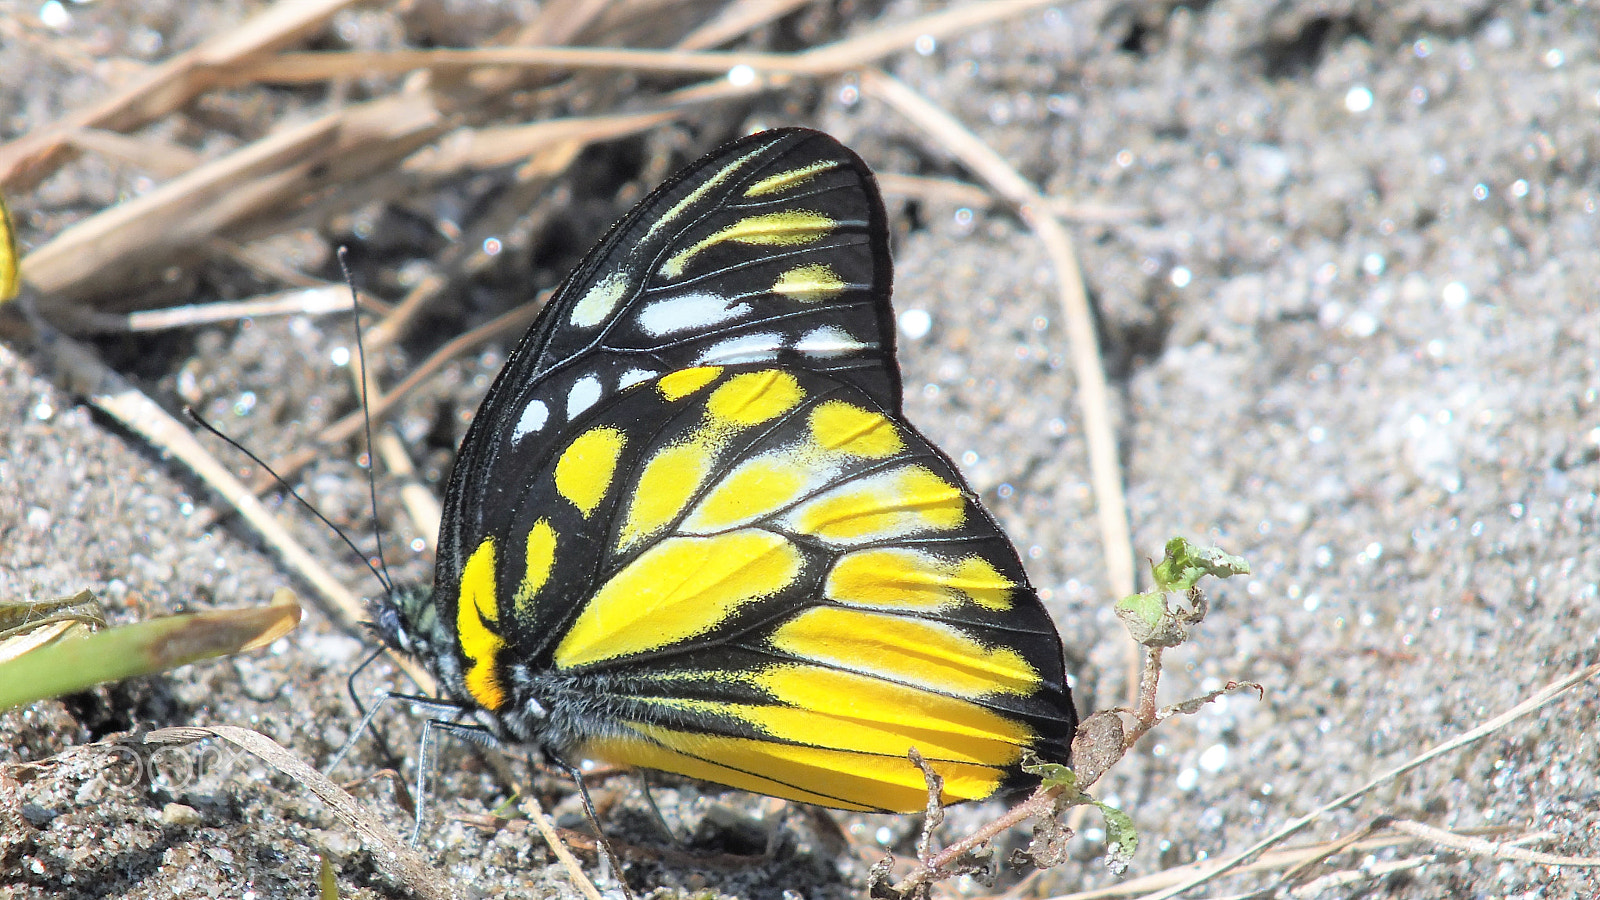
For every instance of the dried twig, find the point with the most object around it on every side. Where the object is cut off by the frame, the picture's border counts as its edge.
(530, 807)
(318, 301)
(1539, 699)
(224, 197)
(736, 19)
(390, 854)
(1476, 846)
(829, 59)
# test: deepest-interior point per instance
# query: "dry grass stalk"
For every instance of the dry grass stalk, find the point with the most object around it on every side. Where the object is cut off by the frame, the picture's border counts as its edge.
(136, 240)
(165, 88)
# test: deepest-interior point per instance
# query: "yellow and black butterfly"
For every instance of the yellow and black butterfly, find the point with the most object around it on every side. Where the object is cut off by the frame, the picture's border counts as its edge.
(690, 530)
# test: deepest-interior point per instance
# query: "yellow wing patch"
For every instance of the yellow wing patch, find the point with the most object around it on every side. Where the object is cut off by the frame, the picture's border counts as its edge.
(838, 434)
(902, 501)
(752, 398)
(809, 283)
(10, 262)
(667, 218)
(913, 651)
(668, 481)
(837, 425)
(600, 300)
(783, 181)
(586, 468)
(477, 605)
(846, 779)
(788, 228)
(680, 384)
(944, 727)
(680, 588)
(754, 490)
(673, 474)
(652, 753)
(541, 559)
(902, 578)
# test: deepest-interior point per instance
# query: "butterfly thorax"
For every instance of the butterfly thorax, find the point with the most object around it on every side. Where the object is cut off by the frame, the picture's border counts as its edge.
(552, 712)
(407, 621)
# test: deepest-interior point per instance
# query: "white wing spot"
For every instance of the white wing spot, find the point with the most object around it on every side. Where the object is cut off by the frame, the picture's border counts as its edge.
(749, 348)
(598, 304)
(633, 377)
(534, 417)
(829, 342)
(690, 312)
(583, 395)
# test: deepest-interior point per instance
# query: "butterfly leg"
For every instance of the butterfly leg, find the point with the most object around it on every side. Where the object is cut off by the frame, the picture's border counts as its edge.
(609, 855)
(476, 734)
(367, 715)
(645, 784)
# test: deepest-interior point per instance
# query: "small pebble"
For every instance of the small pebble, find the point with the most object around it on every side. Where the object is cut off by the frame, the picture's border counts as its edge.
(180, 816)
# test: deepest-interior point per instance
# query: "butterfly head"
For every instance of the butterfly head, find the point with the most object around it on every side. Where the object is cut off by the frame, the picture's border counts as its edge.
(405, 619)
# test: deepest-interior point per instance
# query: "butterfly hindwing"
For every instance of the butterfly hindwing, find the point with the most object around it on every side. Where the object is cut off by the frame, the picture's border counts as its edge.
(773, 584)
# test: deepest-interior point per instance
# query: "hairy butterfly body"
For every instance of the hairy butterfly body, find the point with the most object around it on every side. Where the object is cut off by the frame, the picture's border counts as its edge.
(689, 529)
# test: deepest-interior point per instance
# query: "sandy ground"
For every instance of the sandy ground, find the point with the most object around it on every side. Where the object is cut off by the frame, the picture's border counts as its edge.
(1352, 334)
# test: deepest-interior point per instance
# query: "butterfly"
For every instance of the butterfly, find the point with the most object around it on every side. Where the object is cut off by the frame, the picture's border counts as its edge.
(689, 528)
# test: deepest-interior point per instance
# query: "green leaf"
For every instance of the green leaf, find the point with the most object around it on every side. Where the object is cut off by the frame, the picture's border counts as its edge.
(508, 808)
(1143, 614)
(327, 881)
(75, 663)
(1122, 837)
(1185, 564)
(1050, 774)
(1152, 622)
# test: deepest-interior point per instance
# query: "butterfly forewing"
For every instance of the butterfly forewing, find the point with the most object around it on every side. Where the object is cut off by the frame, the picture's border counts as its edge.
(774, 247)
(690, 530)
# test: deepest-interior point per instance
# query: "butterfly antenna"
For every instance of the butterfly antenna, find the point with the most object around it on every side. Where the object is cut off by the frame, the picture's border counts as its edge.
(382, 576)
(366, 415)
